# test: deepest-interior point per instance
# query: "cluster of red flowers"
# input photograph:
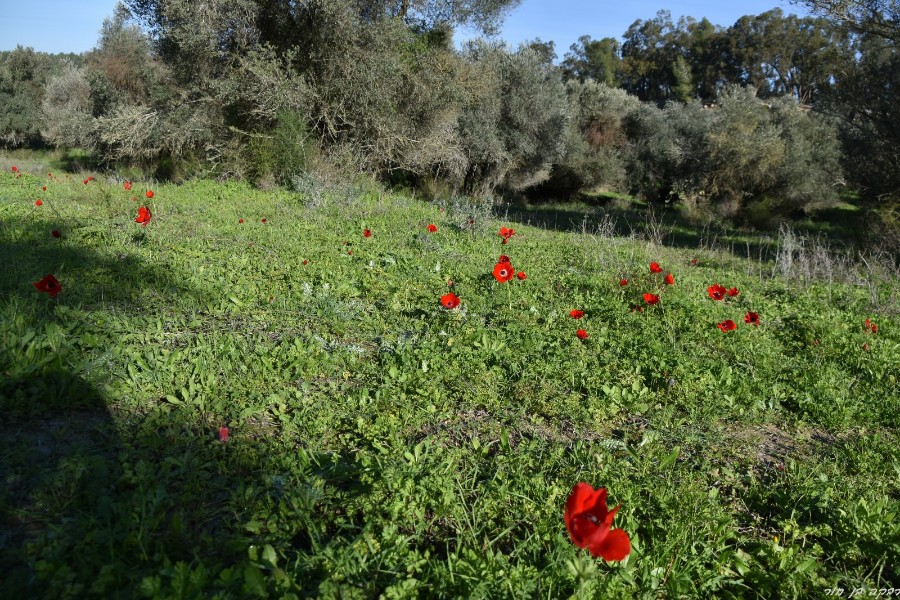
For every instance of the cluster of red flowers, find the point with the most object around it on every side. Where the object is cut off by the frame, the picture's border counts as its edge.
(871, 327)
(506, 233)
(718, 293)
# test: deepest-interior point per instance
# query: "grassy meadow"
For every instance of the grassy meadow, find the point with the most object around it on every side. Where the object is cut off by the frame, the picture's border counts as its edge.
(380, 445)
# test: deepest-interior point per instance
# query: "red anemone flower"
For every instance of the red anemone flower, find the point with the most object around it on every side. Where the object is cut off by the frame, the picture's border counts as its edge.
(43, 188)
(305, 261)
(503, 272)
(655, 268)
(695, 261)
(85, 182)
(670, 279)
(223, 434)
(265, 221)
(144, 216)
(752, 318)
(871, 327)
(582, 334)
(38, 202)
(48, 285)
(149, 193)
(367, 233)
(623, 282)
(432, 228)
(716, 292)
(635, 307)
(14, 169)
(589, 522)
(449, 301)
(55, 233)
(90, 177)
(651, 298)
(127, 186)
(727, 325)
(733, 292)
(506, 233)
(503, 259)
(521, 275)
(240, 220)
(576, 314)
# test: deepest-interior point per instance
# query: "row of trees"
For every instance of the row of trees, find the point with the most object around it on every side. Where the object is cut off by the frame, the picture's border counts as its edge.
(265, 89)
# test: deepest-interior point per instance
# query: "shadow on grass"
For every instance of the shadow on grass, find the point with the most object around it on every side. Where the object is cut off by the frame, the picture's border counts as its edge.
(669, 226)
(98, 503)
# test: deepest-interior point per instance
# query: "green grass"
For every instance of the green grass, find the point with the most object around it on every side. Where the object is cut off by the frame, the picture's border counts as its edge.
(383, 446)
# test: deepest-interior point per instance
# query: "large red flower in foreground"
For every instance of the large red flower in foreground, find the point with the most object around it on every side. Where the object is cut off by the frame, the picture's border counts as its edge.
(727, 325)
(449, 301)
(589, 522)
(716, 291)
(48, 285)
(144, 216)
(503, 272)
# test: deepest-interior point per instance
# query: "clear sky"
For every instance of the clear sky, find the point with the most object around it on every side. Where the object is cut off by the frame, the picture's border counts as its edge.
(73, 25)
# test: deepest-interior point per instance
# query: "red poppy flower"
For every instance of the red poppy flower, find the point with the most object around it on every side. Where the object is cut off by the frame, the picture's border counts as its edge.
(240, 220)
(623, 282)
(43, 188)
(38, 202)
(670, 279)
(471, 221)
(305, 261)
(85, 182)
(449, 301)
(144, 216)
(49, 285)
(127, 186)
(871, 327)
(521, 275)
(49, 174)
(55, 233)
(651, 298)
(733, 292)
(506, 233)
(223, 434)
(635, 307)
(14, 169)
(576, 314)
(582, 334)
(727, 325)
(589, 522)
(503, 259)
(350, 252)
(432, 228)
(90, 177)
(695, 261)
(367, 233)
(266, 221)
(503, 272)
(752, 318)
(716, 292)
(655, 268)
(149, 193)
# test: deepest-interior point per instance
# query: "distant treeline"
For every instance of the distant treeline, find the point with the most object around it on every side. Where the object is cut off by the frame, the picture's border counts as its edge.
(775, 114)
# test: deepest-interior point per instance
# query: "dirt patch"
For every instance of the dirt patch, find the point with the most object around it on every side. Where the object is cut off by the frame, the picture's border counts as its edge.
(773, 446)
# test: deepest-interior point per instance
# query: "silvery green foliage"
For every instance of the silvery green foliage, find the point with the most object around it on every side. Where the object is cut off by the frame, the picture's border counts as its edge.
(513, 122)
(67, 109)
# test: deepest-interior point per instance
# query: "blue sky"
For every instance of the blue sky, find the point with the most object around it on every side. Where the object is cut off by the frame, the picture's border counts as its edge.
(73, 25)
